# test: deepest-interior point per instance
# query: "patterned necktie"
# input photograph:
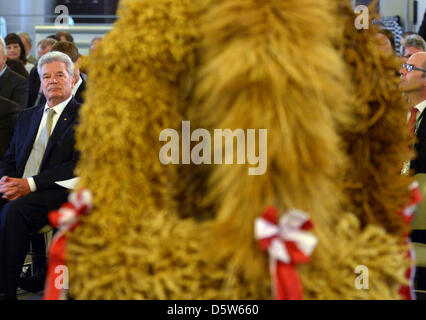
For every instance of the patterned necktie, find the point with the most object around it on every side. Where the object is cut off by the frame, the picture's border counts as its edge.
(412, 121)
(34, 160)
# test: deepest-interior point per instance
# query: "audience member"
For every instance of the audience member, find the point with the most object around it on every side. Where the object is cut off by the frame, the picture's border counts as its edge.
(44, 46)
(422, 29)
(8, 111)
(12, 85)
(65, 36)
(384, 44)
(411, 45)
(17, 66)
(404, 37)
(54, 37)
(35, 92)
(390, 36)
(413, 83)
(41, 152)
(16, 50)
(94, 43)
(28, 44)
(71, 51)
(28, 282)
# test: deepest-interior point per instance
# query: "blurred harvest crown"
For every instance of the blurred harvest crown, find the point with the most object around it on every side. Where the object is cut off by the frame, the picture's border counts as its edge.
(329, 99)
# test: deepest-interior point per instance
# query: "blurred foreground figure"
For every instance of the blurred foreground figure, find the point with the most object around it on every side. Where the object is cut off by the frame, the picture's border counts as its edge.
(333, 111)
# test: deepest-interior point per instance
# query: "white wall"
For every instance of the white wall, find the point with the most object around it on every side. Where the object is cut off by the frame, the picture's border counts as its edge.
(23, 15)
(396, 7)
(399, 7)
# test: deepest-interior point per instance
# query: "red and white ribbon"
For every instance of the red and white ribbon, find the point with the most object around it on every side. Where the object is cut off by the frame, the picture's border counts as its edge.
(407, 292)
(288, 243)
(64, 219)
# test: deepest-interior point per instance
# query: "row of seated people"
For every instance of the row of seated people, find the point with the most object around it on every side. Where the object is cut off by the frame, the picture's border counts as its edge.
(32, 159)
(26, 93)
(412, 82)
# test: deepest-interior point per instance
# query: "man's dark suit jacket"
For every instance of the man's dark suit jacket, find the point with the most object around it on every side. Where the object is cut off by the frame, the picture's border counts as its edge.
(419, 166)
(419, 162)
(59, 158)
(8, 113)
(34, 87)
(422, 29)
(14, 87)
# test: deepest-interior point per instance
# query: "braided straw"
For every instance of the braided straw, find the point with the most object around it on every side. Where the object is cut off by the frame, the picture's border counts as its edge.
(186, 232)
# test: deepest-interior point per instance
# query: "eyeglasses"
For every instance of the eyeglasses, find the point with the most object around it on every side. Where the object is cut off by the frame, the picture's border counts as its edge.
(411, 67)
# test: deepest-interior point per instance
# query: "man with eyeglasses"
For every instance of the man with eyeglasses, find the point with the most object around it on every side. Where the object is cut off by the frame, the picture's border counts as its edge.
(413, 84)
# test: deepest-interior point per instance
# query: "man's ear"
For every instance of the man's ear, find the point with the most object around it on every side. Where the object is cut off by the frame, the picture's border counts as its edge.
(72, 81)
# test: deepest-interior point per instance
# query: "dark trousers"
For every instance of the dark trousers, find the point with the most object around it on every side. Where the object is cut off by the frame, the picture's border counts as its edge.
(18, 220)
(38, 246)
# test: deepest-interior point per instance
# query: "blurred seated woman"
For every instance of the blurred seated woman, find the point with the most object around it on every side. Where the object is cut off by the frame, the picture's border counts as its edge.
(16, 50)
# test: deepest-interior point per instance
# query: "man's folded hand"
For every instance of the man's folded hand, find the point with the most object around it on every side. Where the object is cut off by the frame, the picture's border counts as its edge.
(14, 188)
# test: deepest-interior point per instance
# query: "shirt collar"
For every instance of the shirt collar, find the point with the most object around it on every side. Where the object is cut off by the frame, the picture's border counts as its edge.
(76, 86)
(421, 106)
(3, 71)
(59, 107)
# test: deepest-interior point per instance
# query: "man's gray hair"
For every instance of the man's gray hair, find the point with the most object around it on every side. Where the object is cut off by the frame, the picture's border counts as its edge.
(26, 36)
(415, 41)
(55, 56)
(3, 46)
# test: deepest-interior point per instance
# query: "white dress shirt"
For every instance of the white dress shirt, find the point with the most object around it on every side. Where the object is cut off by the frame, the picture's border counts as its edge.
(59, 108)
(28, 66)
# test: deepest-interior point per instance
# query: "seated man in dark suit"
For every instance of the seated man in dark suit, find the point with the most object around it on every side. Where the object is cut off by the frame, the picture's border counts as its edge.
(8, 113)
(12, 85)
(36, 282)
(413, 84)
(41, 152)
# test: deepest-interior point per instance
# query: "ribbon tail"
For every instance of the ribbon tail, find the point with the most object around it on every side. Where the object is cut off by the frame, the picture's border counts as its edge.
(288, 286)
(52, 290)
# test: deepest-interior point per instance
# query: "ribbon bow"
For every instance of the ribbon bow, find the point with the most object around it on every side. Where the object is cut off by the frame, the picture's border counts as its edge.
(415, 199)
(288, 243)
(64, 219)
(406, 213)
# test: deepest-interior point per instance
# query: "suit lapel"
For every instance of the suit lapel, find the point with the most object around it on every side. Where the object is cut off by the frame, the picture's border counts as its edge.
(79, 93)
(65, 120)
(422, 126)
